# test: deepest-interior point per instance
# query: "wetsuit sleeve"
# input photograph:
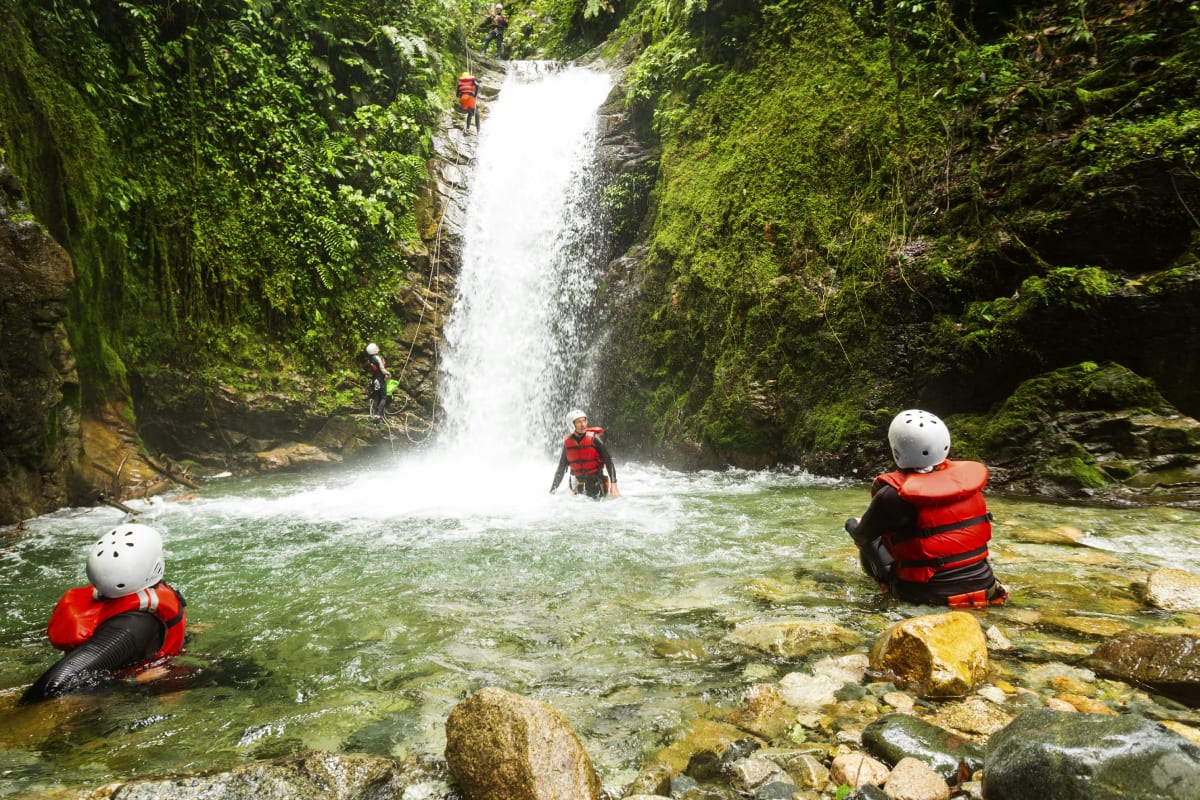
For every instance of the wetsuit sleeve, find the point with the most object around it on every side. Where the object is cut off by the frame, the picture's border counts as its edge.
(887, 512)
(562, 470)
(121, 641)
(602, 449)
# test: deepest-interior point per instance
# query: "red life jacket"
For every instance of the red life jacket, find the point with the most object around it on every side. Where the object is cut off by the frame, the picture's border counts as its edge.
(81, 610)
(467, 88)
(582, 455)
(953, 524)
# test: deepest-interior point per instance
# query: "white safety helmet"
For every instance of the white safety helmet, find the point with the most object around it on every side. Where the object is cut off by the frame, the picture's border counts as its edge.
(918, 439)
(372, 349)
(574, 415)
(126, 560)
(499, 7)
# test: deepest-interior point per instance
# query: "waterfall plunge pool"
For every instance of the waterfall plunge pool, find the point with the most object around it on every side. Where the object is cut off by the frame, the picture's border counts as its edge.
(350, 610)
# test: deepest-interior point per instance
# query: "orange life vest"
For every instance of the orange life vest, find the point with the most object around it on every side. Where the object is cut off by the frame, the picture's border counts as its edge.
(82, 610)
(466, 92)
(953, 524)
(582, 455)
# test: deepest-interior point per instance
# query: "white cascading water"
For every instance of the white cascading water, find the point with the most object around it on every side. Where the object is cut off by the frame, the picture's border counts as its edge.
(517, 338)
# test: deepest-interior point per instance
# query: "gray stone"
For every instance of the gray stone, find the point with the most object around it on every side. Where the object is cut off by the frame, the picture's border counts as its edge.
(1068, 756)
(894, 737)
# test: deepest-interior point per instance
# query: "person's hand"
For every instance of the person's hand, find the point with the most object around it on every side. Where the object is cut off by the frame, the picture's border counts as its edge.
(613, 491)
(851, 525)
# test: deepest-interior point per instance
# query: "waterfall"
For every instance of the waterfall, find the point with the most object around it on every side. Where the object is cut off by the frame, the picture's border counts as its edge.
(521, 327)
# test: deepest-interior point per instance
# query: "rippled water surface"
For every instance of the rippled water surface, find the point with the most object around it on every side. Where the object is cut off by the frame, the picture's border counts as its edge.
(351, 610)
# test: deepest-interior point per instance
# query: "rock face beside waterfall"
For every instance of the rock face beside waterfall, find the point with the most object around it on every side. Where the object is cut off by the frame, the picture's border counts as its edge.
(274, 428)
(39, 389)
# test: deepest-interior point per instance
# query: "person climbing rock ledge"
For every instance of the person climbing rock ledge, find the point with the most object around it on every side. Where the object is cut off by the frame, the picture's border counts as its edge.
(924, 536)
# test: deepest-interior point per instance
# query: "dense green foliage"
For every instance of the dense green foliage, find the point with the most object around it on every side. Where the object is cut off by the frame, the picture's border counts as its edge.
(867, 206)
(234, 180)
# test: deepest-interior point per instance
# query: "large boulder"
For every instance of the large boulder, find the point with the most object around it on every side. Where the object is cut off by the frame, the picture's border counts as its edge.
(940, 655)
(1069, 756)
(502, 746)
(1167, 664)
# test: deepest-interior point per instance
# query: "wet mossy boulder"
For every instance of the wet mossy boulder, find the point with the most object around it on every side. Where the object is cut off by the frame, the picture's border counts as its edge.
(894, 737)
(1167, 664)
(503, 746)
(1087, 430)
(1069, 756)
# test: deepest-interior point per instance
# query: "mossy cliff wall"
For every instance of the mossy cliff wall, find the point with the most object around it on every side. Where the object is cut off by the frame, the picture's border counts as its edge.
(860, 208)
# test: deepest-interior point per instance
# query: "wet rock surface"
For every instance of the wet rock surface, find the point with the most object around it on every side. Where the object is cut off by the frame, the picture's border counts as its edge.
(502, 746)
(1169, 664)
(1065, 756)
(39, 388)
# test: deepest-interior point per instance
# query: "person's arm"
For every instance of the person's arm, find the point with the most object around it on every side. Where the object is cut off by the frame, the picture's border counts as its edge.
(120, 641)
(602, 449)
(558, 473)
(887, 512)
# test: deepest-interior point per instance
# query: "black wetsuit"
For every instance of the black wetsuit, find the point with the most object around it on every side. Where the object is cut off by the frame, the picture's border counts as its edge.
(118, 642)
(889, 512)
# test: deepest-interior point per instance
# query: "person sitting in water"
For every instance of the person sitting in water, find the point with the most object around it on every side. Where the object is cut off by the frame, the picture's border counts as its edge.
(924, 536)
(126, 621)
(588, 457)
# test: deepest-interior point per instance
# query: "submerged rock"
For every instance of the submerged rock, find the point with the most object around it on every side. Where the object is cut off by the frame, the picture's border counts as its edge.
(1173, 590)
(308, 776)
(503, 746)
(1048, 754)
(1169, 665)
(793, 638)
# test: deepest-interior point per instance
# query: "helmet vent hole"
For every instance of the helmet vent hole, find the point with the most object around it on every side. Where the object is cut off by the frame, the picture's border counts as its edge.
(120, 586)
(115, 554)
(129, 544)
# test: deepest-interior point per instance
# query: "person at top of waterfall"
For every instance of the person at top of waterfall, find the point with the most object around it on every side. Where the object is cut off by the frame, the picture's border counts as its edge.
(377, 375)
(468, 89)
(498, 22)
(924, 536)
(126, 622)
(585, 453)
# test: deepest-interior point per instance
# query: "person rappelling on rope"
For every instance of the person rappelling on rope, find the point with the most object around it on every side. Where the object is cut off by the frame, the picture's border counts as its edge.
(498, 22)
(924, 536)
(468, 91)
(125, 623)
(588, 457)
(377, 375)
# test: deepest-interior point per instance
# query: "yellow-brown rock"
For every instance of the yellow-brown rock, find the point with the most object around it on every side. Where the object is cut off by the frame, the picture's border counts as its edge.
(943, 655)
(502, 746)
(702, 736)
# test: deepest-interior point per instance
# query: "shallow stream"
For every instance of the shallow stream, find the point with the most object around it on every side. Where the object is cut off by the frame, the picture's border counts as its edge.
(351, 610)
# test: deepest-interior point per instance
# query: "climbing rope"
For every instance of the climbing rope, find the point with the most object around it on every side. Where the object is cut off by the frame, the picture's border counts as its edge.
(419, 431)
